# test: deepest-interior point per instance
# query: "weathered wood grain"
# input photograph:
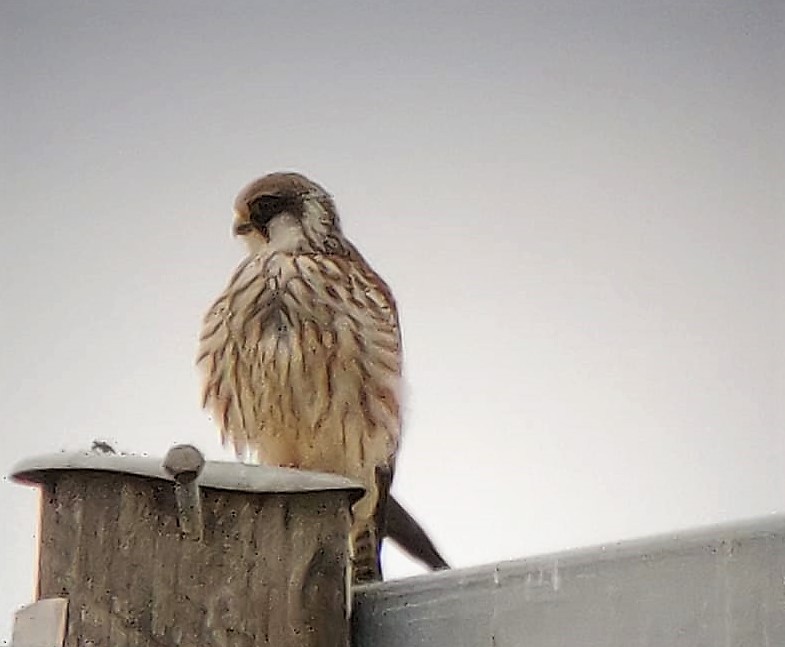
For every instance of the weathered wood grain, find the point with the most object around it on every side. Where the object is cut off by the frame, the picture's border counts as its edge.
(269, 570)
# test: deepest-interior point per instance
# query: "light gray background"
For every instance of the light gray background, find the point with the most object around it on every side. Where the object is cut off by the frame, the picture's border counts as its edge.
(579, 207)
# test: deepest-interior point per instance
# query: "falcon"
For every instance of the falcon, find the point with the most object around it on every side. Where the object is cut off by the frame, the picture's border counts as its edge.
(301, 358)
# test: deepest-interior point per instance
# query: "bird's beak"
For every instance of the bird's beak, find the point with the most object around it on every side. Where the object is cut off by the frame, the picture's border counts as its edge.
(242, 228)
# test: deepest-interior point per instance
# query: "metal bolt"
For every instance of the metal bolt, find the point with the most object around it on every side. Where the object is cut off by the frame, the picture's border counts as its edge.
(184, 463)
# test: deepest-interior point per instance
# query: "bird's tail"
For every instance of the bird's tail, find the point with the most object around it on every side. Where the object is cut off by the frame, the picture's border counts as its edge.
(404, 530)
(379, 515)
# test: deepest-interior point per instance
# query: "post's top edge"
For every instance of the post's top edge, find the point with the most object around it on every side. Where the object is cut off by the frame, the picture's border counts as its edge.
(221, 475)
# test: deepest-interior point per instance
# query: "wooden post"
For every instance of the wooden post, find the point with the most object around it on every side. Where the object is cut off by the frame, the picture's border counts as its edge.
(242, 556)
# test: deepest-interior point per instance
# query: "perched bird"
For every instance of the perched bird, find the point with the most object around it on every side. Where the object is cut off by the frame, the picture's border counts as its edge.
(301, 356)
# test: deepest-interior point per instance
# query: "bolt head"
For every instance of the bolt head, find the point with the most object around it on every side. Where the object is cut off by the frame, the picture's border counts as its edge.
(184, 461)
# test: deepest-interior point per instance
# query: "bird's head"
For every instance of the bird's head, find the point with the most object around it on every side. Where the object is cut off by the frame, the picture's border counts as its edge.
(287, 212)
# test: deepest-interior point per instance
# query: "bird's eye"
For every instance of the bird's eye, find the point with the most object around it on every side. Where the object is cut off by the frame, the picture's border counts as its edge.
(266, 207)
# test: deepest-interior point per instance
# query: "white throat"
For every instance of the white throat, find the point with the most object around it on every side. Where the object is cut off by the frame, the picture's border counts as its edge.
(285, 234)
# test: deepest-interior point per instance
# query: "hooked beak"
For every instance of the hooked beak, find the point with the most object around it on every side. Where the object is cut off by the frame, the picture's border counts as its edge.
(242, 228)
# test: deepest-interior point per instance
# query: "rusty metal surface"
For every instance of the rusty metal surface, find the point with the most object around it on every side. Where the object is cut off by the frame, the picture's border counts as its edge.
(221, 475)
(722, 585)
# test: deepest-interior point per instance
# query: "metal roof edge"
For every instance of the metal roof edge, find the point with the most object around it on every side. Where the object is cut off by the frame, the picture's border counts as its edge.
(635, 548)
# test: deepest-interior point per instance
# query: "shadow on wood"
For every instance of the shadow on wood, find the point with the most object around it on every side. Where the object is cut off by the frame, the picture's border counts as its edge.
(266, 567)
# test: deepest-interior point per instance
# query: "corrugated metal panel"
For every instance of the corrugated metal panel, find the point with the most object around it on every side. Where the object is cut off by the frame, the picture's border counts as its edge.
(717, 587)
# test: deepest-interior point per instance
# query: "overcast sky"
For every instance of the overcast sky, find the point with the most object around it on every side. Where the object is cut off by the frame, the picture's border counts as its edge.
(579, 206)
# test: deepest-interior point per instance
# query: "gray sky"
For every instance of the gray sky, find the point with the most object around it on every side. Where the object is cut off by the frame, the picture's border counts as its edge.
(578, 205)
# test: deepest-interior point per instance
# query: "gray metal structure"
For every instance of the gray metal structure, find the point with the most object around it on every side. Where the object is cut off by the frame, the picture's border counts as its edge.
(722, 586)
